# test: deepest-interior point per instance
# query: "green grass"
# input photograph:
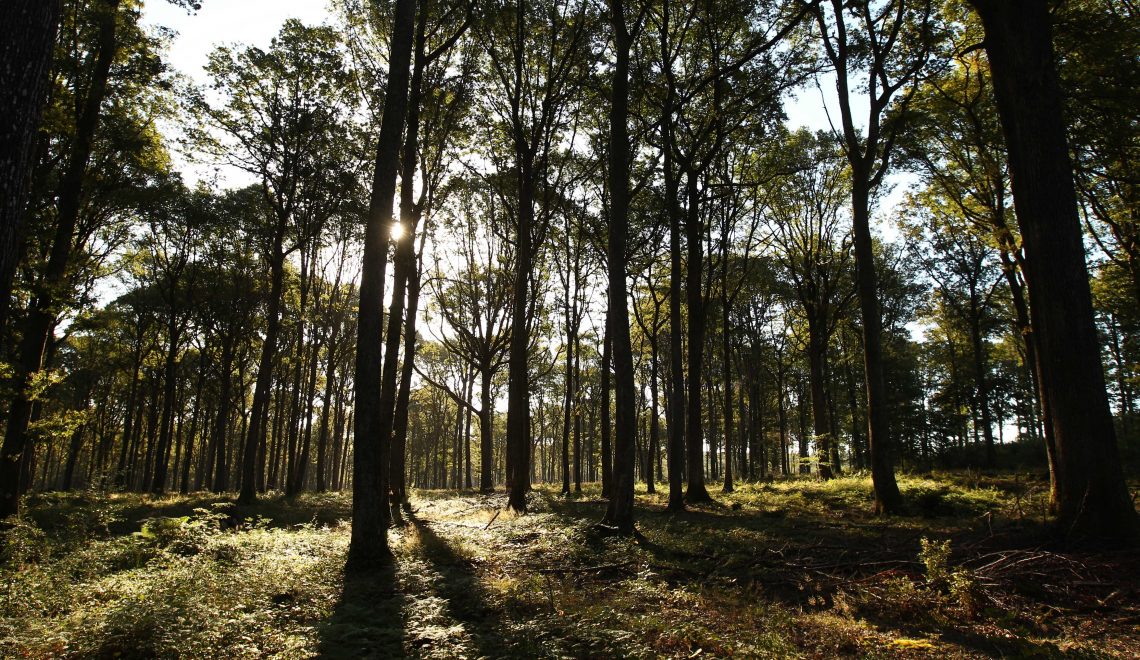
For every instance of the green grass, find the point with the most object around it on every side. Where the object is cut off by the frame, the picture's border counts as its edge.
(796, 568)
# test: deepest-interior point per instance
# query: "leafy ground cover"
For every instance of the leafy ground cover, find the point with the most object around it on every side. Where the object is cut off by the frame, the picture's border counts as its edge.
(796, 568)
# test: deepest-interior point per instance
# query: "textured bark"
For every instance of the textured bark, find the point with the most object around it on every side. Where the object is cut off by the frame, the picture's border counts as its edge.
(403, 268)
(817, 346)
(518, 375)
(1093, 499)
(888, 499)
(42, 312)
(726, 356)
(400, 428)
(607, 426)
(676, 389)
(27, 38)
(486, 430)
(568, 401)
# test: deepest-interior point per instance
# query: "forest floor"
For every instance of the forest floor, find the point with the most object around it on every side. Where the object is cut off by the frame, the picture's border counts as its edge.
(796, 568)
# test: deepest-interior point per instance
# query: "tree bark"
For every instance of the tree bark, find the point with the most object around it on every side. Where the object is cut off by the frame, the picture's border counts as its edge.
(259, 412)
(676, 459)
(368, 547)
(695, 305)
(42, 313)
(620, 510)
(888, 499)
(604, 413)
(1093, 499)
(27, 40)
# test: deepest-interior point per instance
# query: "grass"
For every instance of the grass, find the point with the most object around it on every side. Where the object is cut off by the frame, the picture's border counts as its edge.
(795, 568)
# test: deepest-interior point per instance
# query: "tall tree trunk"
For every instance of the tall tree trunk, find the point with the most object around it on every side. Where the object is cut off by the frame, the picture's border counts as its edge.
(981, 384)
(1093, 498)
(166, 426)
(27, 40)
(120, 479)
(568, 401)
(323, 434)
(676, 390)
(604, 412)
(620, 510)
(654, 418)
(259, 413)
(817, 347)
(695, 305)
(403, 396)
(486, 438)
(43, 311)
(368, 546)
(726, 338)
(518, 375)
(74, 447)
(888, 499)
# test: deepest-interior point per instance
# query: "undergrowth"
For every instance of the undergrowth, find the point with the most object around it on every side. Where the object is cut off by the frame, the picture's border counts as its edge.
(794, 568)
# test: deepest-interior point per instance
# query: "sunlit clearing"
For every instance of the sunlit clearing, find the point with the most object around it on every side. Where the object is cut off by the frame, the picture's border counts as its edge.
(397, 231)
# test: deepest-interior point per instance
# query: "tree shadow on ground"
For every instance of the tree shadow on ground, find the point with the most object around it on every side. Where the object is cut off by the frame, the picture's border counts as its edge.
(368, 620)
(457, 583)
(804, 561)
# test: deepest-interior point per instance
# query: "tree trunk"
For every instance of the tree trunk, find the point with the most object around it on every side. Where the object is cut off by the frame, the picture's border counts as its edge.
(568, 401)
(259, 413)
(620, 510)
(486, 438)
(42, 313)
(654, 419)
(368, 546)
(888, 499)
(166, 426)
(695, 304)
(817, 346)
(604, 413)
(981, 383)
(27, 41)
(1094, 501)
(726, 338)
(676, 461)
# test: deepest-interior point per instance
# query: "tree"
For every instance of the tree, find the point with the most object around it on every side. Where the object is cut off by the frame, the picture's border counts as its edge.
(889, 43)
(41, 317)
(475, 304)
(27, 36)
(1093, 499)
(282, 121)
(812, 244)
(368, 546)
(529, 99)
(619, 513)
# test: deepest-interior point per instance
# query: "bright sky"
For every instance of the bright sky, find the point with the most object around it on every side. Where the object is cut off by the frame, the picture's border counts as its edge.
(251, 22)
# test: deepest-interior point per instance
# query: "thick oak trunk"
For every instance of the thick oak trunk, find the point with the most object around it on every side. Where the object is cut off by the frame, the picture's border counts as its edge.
(27, 39)
(43, 311)
(1093, 499)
